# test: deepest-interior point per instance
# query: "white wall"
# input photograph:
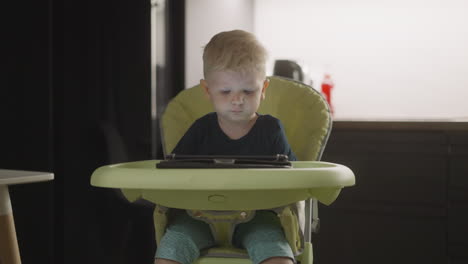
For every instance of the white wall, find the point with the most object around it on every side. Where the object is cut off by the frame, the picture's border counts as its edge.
(389, 58)
(205, 18)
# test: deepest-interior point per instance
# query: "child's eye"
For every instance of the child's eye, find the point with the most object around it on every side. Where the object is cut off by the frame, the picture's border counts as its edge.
(248, 91)
(225, 91)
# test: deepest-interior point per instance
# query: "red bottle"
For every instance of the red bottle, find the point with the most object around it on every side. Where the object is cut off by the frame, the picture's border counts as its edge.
(327, 86)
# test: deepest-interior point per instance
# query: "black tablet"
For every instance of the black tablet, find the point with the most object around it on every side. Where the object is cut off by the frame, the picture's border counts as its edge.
(175, 161)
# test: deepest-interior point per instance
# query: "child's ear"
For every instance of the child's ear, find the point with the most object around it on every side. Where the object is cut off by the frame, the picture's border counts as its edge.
(205, 87)
(266, 83)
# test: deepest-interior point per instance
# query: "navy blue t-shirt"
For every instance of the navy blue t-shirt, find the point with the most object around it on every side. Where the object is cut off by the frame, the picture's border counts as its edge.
(205, 137)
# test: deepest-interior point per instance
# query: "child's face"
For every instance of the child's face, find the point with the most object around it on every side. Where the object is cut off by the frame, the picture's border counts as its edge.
(235, 96)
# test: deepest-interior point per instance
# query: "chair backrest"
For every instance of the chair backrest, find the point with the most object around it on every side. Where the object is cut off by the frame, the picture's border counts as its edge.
(303, 111)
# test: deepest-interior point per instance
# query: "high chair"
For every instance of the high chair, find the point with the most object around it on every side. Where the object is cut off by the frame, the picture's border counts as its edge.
(226, 197)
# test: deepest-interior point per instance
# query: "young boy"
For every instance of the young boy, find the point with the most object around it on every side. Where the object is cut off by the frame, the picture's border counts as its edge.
(234, 70)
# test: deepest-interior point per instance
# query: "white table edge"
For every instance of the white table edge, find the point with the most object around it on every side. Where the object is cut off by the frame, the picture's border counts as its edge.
(28, 177)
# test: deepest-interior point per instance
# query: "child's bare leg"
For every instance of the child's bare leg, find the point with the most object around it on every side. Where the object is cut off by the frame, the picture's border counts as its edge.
(165, 261)
(277, 260)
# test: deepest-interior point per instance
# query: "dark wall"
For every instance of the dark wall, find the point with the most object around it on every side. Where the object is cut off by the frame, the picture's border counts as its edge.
(104, 114)
(77, 97)
(26, 126)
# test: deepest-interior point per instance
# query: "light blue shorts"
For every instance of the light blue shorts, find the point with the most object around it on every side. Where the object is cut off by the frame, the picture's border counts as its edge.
(262, 237)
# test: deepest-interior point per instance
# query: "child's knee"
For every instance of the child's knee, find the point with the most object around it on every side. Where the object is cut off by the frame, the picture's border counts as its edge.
(260, 228)
(195, 230)
(269, 247)
(165, 261)
(176, 247)
(278, 260)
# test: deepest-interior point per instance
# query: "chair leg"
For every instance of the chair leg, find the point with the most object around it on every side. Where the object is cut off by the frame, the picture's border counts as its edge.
(307, 256)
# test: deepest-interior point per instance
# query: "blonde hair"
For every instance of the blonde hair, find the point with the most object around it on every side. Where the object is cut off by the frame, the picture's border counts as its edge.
(235, 50)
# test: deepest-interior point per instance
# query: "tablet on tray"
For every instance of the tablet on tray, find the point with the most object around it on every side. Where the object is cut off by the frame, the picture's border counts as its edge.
(176, 161)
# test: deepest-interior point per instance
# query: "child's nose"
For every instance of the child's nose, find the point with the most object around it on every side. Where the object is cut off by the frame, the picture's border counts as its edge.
(237, 99)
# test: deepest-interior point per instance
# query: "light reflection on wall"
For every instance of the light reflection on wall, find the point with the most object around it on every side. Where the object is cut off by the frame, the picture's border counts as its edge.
(389, 59)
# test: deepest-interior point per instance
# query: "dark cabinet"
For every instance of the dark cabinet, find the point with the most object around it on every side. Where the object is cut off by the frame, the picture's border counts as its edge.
(410, 202)
(457, 206)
